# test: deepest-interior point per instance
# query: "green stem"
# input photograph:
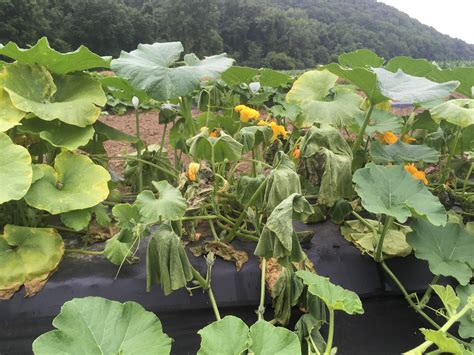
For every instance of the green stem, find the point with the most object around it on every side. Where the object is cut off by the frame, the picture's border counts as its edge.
(206, 286)
(83, 251)
(166, 171)
(248, 237)
(139, 152)
(360, 136)
(192, 218)
(331, 332)
(451, 152)
(163, 135)
(466, 179)
(261, 306)
(453, 319)
(213, 230)
(407, 296)
(378, 253)
(254, 197)
(426, 297)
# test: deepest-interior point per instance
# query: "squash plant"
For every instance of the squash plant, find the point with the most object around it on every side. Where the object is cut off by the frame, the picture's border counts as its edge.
(259, 152)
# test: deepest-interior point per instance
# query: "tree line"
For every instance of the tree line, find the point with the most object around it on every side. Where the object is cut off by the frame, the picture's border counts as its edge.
(282, 34)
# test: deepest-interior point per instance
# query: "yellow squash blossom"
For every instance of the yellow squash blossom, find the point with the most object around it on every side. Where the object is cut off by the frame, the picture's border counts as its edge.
(389, 137)
(417, 174)
(407, 139)
(277, 130)
(193, 171)
(248, 114)
(214, 133)
(261, 123)
(296, 152)
(239, 108)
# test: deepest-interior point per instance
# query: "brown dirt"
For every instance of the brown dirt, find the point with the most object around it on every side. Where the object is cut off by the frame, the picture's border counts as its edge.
(150, 130)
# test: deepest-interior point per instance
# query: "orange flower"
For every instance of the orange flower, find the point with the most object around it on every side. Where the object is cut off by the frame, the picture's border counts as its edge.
(277, 130)
(407, 139)
(417, 174)
(389, 137)
(296, 152)
(214, 133)
(193, 171)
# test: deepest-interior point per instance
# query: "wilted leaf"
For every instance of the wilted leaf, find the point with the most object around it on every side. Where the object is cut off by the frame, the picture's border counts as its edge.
(285, 294)
(253, 136)
(223, 249)
(166, 261)
(224, 147)
(97, 326)
(28, 256)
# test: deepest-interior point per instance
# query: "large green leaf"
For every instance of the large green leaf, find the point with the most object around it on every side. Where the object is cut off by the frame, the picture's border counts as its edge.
(326, 160)
(335, 297)
(10, 116)
(424, 68)
(444, 343)
(363, 78)
(278, 238)
(57, 133)
(73, 99)
(166, 261)
(28, 256)
(151, 67)
(75, 183)
(400, 152)
(169, 206)
(410, 66)
(321, 101)
(126, 215)
(407, 88)
(77, 219)
(395, 243)
(392, 191)
(56, 62)
(273, 78)
(96, 326)
(122, 90)
(266, 339)
(449, 250)
(360, 58)
(466, 323)
(229, 336)
(113, 134)
(16, 173)
(202, 146)
(239, 75)
(459, 112)
(282, 182)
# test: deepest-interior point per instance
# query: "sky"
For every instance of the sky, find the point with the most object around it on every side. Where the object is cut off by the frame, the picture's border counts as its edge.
(453, 17)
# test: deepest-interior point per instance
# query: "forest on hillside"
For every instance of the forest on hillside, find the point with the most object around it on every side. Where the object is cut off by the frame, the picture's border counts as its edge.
(283, 34)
